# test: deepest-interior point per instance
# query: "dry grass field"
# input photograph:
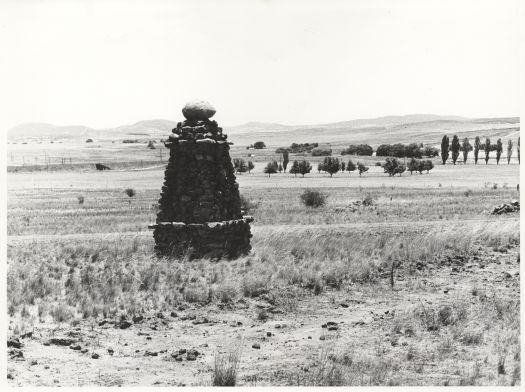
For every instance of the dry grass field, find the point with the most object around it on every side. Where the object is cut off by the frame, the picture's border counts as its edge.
(419, 288)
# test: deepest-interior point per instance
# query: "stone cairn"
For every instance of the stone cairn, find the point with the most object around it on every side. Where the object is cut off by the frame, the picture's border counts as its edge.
(200, 207)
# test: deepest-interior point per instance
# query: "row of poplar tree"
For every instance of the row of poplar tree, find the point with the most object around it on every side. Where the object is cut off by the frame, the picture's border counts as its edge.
(454, 149)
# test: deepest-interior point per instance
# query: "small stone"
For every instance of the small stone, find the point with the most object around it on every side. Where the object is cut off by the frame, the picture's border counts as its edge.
(137, 319)
(14, 342)
(151, 354)
(95, 356)
(84, 350)
(322, 337)
(33, 362)
(256, 346)
(124, 324)
(75, 347)
(277, 326)
(110, 351)
(344, 305)
(173, 314)
(269, 334)
(61, 341)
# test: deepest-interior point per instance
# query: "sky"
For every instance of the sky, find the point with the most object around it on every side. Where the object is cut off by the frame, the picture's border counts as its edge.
(109, 63)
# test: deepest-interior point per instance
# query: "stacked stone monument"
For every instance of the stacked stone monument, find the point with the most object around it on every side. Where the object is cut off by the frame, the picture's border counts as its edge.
(200, 208)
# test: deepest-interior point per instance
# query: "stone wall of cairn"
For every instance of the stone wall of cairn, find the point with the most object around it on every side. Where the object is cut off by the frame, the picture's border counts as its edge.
(199, 208)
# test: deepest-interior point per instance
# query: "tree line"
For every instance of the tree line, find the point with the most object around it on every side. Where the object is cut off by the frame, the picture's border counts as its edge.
(456, 148)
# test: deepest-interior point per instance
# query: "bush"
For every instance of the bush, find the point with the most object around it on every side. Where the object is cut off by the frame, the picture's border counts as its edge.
(313, 198)
(248, 205)
(320, 151)
(130, 192)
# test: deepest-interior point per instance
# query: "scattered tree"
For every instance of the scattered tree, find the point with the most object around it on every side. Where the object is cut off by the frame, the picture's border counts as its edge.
(359, 149)
(320, 151)
(343, 166)
(444, 149)
(499, 150)
(280, 168)
(304, 167)
(271, 168)
(295, 168)
(320, 167)
(477, 145)
(487, 150)
(350, 166)
(518, 150)
(240, 165)
(509, 151)
(455, 147)
(259, 145)
(331, 165)
(362, 168)
(430, 152)
(394, 166)
(250, 166)
(413, 165)
(285, 160)
(466, 147)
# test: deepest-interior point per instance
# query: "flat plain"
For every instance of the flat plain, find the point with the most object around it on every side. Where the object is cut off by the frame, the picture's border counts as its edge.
(421, 287)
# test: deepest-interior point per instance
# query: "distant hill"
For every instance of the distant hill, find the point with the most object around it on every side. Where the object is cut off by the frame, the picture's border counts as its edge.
(424, 128)
(47, 130)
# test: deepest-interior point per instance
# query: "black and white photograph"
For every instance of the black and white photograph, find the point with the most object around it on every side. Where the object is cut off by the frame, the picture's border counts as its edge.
(261, 193)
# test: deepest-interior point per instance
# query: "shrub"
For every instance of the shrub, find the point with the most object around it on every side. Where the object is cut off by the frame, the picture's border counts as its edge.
(130, 192)
(248, 205)
(225, 370)
(80, 199)
(259, 145)
(89, 141)
(320, 151)
(312, 198)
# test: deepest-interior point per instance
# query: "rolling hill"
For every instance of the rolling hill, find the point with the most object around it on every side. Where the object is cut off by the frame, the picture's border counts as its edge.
(424, 128)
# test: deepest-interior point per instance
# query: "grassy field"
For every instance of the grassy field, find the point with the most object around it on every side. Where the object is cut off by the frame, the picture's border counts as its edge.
(422, 287)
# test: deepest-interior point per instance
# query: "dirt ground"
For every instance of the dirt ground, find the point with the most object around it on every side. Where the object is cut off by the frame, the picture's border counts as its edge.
(289, 341)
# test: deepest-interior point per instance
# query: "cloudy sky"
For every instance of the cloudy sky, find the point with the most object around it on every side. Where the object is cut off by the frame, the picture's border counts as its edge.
(109, 63)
